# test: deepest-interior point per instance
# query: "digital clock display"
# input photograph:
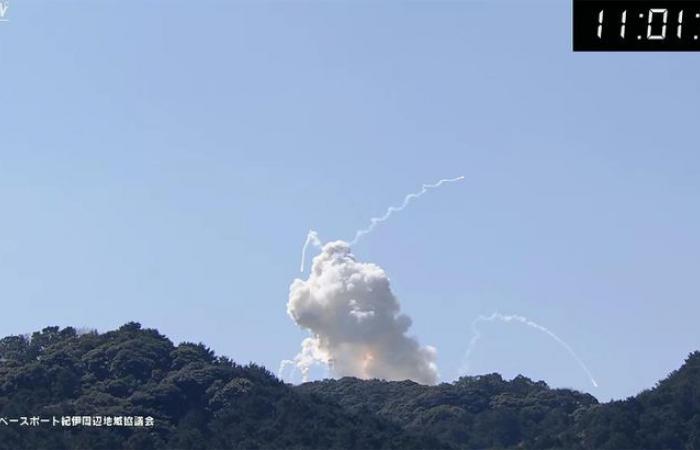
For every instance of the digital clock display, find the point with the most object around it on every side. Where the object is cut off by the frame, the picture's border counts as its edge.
(636, 25)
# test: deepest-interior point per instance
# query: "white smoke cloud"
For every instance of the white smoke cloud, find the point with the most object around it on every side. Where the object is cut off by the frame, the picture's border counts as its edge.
(356, 325)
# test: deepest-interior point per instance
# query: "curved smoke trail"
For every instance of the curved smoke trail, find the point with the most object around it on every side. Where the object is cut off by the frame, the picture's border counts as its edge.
(374, 221)
(476, 335)
(312, 236)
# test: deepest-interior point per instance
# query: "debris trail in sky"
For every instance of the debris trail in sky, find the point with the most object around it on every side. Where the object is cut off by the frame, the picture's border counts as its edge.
(476, 335)
(312, 236)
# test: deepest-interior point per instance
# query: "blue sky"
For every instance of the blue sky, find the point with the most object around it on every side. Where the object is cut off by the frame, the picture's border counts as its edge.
(162, 162)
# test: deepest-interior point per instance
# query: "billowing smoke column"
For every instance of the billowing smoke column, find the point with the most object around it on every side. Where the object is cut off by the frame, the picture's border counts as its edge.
(356, 325)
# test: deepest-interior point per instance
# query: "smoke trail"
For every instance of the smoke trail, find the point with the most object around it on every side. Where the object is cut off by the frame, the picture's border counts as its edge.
(374, 221)
(476, 335)
(312, 236)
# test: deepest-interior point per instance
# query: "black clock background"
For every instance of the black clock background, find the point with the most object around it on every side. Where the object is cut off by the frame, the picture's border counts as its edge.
(585, 25)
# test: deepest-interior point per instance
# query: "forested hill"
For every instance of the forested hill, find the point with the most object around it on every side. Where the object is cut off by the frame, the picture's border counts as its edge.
(132, 388)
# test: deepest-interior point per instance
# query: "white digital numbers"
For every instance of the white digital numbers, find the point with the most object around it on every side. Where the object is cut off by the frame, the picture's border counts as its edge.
(662, 35)
(636, 25)
(651, 24)
(624, 24)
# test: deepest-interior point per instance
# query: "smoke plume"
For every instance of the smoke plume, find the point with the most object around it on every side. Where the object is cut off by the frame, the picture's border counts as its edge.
(355, 322)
